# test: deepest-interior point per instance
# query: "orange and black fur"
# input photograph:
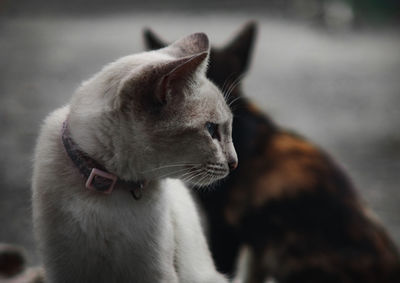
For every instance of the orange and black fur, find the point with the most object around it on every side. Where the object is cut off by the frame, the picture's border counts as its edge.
(288, 201)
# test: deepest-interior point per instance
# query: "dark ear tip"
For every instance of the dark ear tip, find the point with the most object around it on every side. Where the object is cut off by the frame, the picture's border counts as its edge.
(202, 40)
(148, 33)
(252, 24)
(251, 27)
(201, 36)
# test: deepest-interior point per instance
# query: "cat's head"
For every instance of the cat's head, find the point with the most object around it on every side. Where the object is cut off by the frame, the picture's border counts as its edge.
(155, 114)
(228, 63)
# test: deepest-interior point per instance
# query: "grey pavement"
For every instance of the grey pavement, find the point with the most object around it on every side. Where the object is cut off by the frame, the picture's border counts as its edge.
(341, 89)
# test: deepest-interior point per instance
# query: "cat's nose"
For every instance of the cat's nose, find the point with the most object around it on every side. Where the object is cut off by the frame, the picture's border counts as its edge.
(232, 165)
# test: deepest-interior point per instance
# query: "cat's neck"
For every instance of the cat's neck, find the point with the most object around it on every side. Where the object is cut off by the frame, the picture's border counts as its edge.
(97, 178)
(93, 136)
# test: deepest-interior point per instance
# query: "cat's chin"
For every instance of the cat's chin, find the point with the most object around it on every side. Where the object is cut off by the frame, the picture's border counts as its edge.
(206, 174)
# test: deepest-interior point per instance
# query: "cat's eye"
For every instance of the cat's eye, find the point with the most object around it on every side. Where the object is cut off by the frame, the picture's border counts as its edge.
(212, 129)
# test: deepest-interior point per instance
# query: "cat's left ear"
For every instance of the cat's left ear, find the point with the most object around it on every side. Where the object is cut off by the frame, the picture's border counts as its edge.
(188, 46)
(191, 53)
(166, 83)
(180, 78)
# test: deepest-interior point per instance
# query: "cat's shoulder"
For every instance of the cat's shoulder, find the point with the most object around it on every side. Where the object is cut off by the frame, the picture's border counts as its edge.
(54, 120)
(49, 142)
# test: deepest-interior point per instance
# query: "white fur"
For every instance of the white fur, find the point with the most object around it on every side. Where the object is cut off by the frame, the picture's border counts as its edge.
(162, 230)
(90, 237)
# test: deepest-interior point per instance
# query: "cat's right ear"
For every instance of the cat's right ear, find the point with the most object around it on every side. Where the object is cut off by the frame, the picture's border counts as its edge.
(241, 46)
(152, 41)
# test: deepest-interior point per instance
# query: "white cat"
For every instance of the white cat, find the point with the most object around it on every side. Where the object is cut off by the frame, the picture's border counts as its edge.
(140, 120)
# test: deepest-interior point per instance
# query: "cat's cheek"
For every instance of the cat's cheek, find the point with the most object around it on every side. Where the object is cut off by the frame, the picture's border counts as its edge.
(209, 149)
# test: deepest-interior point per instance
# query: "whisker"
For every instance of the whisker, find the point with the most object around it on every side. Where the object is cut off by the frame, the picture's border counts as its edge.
(203, 178)
(233, 101)
(170, 165)
(193, 175)
(227, 83)
(172, 173)
(196, 174)
(227, 89)
(232, 88)
(234, 84)
(187, 175)
(223, 88)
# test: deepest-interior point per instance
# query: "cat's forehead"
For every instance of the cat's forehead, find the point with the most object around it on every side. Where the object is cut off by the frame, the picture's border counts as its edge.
(212, 104)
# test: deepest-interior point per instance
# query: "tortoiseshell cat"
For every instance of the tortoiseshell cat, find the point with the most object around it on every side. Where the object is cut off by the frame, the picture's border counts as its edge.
(288, 201)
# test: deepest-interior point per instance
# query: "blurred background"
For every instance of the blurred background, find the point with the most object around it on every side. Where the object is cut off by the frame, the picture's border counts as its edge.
(328, 69)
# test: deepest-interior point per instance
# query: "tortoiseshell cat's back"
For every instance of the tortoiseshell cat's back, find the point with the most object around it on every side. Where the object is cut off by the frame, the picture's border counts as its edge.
(293, 207)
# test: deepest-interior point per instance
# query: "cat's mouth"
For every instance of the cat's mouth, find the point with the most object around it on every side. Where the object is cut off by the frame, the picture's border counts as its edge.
(206, 174)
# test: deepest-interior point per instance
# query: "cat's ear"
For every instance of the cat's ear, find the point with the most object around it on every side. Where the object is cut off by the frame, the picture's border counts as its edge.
(152, 41)
(191, 53)
(161, 84)
(190, 45)
(241, 46)
(179, 75)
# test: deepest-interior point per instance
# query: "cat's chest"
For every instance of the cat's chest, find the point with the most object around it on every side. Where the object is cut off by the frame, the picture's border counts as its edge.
(120, 214)
(129, 230)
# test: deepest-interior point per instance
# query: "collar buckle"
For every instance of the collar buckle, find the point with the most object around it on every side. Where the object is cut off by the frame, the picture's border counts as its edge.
(101, 181)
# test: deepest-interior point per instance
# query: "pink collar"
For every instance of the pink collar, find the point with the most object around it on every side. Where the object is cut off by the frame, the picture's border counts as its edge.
(97, 178)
